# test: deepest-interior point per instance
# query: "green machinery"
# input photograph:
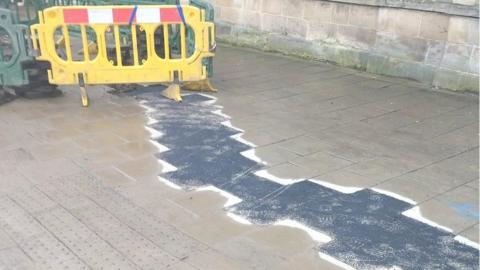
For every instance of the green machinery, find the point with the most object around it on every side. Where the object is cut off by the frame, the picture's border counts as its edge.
(19, 70)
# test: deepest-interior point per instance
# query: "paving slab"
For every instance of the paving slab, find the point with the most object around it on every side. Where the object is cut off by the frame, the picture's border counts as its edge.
(74, 181)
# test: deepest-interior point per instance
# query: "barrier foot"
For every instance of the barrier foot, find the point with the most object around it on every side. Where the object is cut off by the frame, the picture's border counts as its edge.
(84, 94)
(173, 92)
(203, 85)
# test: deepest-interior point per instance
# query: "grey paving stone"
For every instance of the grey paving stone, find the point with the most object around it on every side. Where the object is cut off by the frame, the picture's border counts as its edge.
(390, 121)
(380, 169)
(292, 171)
(421, 184)
(162, 234)
(5, 240)
(444, 123)
(462, 139)
(303, 145)
(14, 258)
(129, 243)
(273, 154)
(471, 233)
(43, 248)
(344, 177)
(458, 216)
(84, 242)
(321, 163)
(31, 199)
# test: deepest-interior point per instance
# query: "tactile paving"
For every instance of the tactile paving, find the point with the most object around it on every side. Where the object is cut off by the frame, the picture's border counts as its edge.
(85, 243)
(14, 258)
(133, 245)
(42, 247)
(31, 199)
(151, 227)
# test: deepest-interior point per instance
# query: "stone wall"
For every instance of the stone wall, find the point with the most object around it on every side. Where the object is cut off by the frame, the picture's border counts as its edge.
(428, 41)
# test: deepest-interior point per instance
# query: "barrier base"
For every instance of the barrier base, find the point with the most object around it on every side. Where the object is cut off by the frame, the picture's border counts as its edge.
(203, 85)
(5, 96)
(84, 94)
(173, 92)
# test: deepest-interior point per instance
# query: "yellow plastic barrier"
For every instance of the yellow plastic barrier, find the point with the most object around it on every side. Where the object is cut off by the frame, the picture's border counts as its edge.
(133, 45)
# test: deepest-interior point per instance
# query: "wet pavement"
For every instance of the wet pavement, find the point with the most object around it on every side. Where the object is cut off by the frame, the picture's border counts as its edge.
(78, 181)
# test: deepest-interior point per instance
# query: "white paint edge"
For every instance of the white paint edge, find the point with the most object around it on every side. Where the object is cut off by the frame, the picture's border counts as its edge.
(395, 195)
(238, 137)
(466, 241)
(160, 147)
(342, 189)
(334, 261)
(219, 112)
(151, 121)
(166, 167)
(168, 183)
(415, 213)
(154, 134)
(315, 235)
(250, 154)
(148, 109)
(282, 181)
(229, 124)
(239, 219)
(231, 199)
(209, 96)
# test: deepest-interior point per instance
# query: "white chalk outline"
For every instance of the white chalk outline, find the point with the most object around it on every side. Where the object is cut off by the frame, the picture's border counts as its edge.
(413, 212)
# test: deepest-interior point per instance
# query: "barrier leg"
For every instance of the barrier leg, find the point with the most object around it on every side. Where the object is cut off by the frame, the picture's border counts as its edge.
(5, 96)
(203, 85)
(173, 92)
(83, 90)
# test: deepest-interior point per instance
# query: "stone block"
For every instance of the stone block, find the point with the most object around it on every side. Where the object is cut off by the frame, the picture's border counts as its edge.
(274, 23)
(318, 12)
(324, 32)
(294, 8)
(403, 47)
(469, 82)
(463, 30)
(446, 78)
(363, 16)
(399, 21)
(223, 29)
(435, 50)
(474, 60)
(230, 15)
(251, 19)
(434, 26)
(253, 5)
(230, 3)
(273, 6)
(454, 80)
(297, 27)
(466, 2)
(457, 57)
(351, 58)
(340, 13)
(355, 37)
(380, 64)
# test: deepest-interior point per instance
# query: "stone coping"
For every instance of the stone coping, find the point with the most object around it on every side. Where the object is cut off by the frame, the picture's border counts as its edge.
(441, 6)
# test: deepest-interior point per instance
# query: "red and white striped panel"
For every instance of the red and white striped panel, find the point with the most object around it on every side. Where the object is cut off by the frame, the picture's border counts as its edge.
(120, 15)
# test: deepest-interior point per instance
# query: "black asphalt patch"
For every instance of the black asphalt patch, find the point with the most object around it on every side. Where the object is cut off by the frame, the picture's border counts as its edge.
(367, 228)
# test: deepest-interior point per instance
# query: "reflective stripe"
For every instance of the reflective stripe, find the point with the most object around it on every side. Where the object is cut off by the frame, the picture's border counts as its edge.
(75, 15)
(123, 15)
(148, 15)
(100, 16)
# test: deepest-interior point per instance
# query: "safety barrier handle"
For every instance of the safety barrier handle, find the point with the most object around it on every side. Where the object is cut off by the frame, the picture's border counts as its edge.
(149, 25)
